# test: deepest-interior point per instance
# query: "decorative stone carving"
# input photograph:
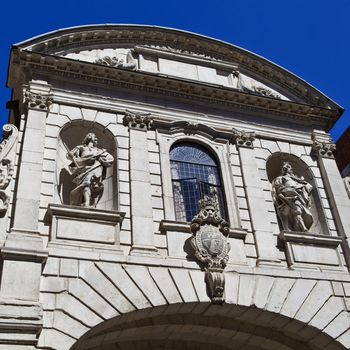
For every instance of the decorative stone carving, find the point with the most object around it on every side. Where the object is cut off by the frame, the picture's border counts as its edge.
(37, 101)
(137, 120)
(243, 138)
(291, 196)
(211, 247)
(118, 63)
(10, 134)
(255, 89)
(323, 148)
(347, 184)
(88, 168)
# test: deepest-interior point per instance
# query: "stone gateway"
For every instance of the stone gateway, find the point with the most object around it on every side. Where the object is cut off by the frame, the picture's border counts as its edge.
(164, 190)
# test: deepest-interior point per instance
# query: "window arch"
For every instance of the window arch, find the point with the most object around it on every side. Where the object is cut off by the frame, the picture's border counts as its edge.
(195, 174)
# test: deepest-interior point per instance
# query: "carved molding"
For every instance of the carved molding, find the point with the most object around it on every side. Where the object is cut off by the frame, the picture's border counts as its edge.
(10, 134)
(137, 120)
(323, 148)
(243, 138)
(180, 42)
(210, 246)
(177, 88)
(37, 100)
(114, 61)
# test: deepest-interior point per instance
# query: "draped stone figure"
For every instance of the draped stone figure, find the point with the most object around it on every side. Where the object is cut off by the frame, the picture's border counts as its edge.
(291, 196)
(88, 168)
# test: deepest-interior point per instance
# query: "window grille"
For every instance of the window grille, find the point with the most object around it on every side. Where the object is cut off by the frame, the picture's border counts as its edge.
(195, 174)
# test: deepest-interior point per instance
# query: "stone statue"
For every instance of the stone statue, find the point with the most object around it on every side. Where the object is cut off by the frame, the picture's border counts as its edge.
(88, 168)
(291, 196)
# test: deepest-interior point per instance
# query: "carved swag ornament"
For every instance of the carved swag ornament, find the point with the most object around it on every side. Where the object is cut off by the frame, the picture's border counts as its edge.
(211, 247)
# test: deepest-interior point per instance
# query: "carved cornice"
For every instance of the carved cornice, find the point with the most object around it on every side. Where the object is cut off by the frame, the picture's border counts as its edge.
(37, 100)
(322, 148)
(176, 88)
(243, 138)
(179, 42)
(137, 120)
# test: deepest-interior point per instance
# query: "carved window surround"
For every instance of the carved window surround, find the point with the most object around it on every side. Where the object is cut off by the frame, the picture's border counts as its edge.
(169, 133)
(310, 251)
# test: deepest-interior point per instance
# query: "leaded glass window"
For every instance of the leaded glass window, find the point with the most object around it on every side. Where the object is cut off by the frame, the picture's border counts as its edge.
(195, 174)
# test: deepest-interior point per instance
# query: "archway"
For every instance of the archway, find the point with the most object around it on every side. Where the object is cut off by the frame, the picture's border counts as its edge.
(203, 326)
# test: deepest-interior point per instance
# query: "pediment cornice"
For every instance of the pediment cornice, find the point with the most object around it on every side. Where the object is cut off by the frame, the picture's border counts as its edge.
(75, 39)
(211, 94)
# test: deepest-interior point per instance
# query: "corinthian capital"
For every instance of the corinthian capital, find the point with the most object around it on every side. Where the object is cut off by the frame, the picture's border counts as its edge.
(243, 138)
(37, 101)
(322, 148)
(137, 120)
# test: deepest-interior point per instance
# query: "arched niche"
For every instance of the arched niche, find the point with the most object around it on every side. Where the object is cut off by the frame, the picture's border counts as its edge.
(72, 135)
(301, 169)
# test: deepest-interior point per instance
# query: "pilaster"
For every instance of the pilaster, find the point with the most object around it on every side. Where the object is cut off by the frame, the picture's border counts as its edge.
(140, 186)
(324, 149)
(23, 253)
(264, 239)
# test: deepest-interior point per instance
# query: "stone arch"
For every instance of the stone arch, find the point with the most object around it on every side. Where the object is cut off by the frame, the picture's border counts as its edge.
(106, 298)
(72, 134)
(300, 168)
(196, 326)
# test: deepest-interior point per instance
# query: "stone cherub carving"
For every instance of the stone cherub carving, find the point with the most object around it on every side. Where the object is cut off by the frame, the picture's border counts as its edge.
(88, 168)
(291, 196)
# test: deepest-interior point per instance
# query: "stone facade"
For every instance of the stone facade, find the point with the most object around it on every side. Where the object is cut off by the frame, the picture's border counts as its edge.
(120, 271)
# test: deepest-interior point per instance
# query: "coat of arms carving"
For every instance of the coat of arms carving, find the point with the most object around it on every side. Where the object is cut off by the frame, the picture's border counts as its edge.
(210, 246)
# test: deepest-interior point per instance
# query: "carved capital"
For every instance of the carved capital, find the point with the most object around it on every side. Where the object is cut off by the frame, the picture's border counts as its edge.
(211, 247)
(323, 149)
(137, 120)
(37, 101)
(243, 138)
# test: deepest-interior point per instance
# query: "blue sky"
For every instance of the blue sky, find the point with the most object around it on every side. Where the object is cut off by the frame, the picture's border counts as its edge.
(308, 37)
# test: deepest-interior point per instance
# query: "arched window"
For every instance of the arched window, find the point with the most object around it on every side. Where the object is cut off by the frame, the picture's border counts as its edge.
(195, 174)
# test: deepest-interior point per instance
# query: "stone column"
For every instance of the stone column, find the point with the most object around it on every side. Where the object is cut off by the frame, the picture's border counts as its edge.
(140, 185)
(264, 239)
(323, 149)
(22, 252)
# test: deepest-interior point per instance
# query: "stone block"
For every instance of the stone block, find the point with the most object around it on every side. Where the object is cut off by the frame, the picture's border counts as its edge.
(166, 284)
(78, 224)
(69, 268)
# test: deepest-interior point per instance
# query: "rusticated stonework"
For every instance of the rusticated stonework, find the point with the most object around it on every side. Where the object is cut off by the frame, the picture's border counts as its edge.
(103, 245)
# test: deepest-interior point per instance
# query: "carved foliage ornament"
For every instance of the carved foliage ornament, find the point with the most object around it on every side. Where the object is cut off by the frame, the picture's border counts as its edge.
(137, 120)
(323, 148)
(211, 247)
(243, 138)
(37, 101)
(114, 61)
(10, 134)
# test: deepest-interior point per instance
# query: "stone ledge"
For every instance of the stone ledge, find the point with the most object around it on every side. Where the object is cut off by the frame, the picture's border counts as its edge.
(20, 321)
(74, 225)
(308, 238)
(310, 251)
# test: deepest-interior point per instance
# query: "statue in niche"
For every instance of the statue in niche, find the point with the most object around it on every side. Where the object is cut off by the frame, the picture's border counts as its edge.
(291, 196)
(88, 168)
